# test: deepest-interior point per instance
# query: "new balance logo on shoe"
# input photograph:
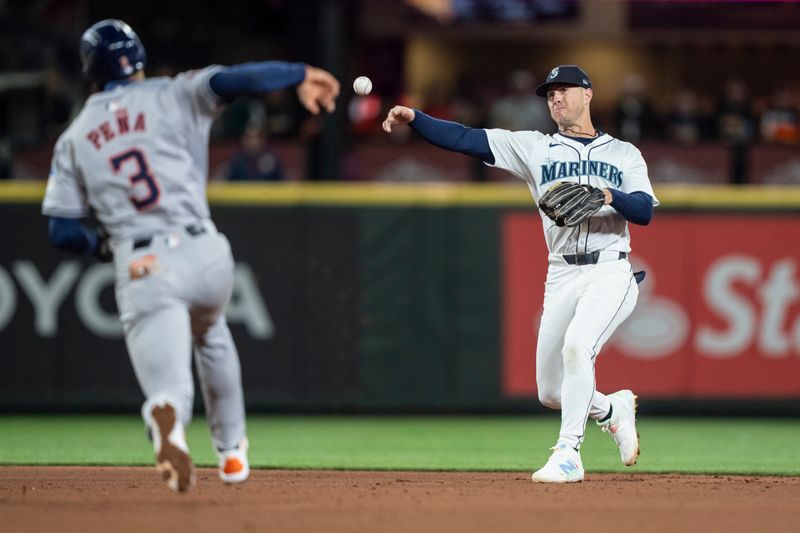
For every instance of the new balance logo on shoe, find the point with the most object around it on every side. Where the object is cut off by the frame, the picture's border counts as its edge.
(568, 468)
(564, 466)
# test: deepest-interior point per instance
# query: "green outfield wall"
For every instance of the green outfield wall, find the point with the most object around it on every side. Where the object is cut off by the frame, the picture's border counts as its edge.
(395, 297)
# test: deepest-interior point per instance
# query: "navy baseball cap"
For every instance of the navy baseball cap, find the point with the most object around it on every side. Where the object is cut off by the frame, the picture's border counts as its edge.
(565, 75)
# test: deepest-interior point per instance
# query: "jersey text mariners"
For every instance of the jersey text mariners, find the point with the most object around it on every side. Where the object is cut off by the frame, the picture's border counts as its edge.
(606, 162)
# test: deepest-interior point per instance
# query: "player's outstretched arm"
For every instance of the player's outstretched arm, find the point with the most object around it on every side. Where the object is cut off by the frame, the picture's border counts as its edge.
(398, 116)
(319, 89)
(315, 87)
(442, 133)
(250, 79)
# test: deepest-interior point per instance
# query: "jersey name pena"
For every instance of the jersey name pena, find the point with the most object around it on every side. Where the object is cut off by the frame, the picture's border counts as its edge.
(137, 155)
(541, 160)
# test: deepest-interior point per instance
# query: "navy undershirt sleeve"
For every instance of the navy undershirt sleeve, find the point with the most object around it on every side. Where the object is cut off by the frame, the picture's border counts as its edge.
(70, 235)
(636, 207)
(453, 136)
(255, 78)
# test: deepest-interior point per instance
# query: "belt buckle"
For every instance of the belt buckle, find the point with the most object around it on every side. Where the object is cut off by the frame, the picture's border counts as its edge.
(142, 242)
(195, 229)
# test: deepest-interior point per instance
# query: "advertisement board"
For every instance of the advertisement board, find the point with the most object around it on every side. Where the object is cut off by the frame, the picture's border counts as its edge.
(61, 342)
(718, 314)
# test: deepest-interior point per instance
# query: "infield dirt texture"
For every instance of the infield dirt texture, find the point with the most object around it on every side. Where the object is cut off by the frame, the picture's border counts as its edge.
(125, 499)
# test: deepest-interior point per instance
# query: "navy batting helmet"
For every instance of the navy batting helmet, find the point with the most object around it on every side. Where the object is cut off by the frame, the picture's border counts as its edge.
(111, 50)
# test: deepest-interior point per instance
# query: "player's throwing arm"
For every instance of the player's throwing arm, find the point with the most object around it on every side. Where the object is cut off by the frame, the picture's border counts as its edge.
(398, 116)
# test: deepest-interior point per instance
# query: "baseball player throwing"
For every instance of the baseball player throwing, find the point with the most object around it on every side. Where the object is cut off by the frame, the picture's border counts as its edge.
(588, 186)
(137, 156)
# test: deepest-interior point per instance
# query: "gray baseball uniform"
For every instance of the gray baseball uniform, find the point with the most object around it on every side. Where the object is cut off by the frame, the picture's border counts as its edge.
(137, 155)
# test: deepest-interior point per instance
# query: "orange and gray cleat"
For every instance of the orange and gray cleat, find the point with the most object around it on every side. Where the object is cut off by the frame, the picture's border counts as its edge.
(233, 464)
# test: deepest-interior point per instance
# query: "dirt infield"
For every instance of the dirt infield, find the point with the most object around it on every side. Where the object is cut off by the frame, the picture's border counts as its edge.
(117, 499)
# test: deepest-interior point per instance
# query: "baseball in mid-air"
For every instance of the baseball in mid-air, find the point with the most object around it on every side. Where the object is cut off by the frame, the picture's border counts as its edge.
(362, 85)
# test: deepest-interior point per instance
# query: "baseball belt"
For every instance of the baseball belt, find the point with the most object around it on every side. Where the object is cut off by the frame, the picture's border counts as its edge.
(590, 258)
(192, 229)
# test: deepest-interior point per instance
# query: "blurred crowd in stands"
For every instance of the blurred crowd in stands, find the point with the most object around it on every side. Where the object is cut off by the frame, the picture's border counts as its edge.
(737, 115)
(41, 90)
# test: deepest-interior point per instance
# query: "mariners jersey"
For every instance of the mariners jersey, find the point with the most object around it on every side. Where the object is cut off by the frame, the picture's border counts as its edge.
(137, 155)
(607, 163)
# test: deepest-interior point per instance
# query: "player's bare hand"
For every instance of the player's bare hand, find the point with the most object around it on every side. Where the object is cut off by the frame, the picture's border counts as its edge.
(398, 116)
(318, 90)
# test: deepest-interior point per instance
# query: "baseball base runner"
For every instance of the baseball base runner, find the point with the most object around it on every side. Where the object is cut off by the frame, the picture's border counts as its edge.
(137, 157)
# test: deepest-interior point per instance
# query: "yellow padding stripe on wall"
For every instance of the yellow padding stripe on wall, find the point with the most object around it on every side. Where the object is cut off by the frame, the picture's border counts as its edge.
(21, 191)
(372, 194)
(443, 194)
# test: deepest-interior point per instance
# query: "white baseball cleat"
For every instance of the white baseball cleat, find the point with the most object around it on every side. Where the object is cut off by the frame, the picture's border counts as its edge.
(564, 466)
(233, 464)
(172, 454)
(622, 425)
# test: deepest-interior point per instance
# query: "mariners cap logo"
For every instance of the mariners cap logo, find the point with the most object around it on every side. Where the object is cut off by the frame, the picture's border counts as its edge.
(553, 73)
(585, 81)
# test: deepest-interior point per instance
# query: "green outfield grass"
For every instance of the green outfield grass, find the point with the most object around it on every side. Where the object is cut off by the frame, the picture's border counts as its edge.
(707, 445)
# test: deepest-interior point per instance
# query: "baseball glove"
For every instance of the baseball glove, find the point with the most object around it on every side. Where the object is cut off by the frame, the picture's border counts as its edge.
(569, 204)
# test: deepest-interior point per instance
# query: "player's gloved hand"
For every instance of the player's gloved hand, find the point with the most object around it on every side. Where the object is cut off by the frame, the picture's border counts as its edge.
(398, 116)
(319, 88)
(102, 252)
(569, 204)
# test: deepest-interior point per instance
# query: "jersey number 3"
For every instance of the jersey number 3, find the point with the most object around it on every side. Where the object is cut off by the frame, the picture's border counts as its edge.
(145, 187)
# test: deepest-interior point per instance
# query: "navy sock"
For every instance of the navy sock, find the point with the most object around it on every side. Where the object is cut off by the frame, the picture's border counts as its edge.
(608, 416)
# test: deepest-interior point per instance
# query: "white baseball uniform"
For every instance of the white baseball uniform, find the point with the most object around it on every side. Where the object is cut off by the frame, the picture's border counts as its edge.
(137, 155)
(583, 303)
